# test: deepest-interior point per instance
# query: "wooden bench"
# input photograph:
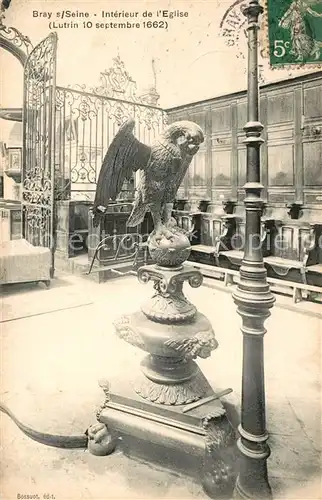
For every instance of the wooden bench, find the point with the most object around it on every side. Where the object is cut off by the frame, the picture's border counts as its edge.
(185, 219)
(120, 249)
(216, 232)
(289, 248)
(317, 268)
(227, 233)
(268, 232)
(299, 250)
(299, 290)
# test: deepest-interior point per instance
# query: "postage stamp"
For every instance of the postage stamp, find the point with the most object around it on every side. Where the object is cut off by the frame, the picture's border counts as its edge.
(295, 32)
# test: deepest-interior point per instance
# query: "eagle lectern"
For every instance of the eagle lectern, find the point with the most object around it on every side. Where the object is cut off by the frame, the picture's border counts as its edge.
(169, 413)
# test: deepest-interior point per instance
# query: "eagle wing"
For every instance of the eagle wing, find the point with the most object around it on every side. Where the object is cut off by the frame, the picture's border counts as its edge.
(125, 155)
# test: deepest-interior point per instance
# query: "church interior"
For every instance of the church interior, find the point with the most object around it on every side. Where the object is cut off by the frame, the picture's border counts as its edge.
(245, 235)
(209, 202)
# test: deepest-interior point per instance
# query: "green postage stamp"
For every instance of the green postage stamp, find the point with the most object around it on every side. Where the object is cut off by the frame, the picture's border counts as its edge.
(295, 32)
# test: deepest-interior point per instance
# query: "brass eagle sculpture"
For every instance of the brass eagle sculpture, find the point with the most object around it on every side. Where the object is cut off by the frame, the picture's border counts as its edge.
(162, 168)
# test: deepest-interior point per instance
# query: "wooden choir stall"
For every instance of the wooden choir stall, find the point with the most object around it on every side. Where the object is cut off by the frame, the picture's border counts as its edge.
(210, 200)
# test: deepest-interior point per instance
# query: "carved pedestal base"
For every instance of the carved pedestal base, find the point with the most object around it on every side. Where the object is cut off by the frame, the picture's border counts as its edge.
(154, 418)
(171, 376)
(199, 443)
(173, 394)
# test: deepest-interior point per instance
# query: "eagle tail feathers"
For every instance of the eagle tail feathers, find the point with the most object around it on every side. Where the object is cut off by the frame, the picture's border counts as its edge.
(137, 215)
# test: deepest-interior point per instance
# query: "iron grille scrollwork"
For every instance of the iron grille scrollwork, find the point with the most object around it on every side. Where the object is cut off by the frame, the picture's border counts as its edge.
(117, 83)
(38, 145)
(85, 126)
(15, 37)
(13, 40)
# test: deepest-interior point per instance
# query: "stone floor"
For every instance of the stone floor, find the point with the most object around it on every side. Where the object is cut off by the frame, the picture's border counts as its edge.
(57, 343)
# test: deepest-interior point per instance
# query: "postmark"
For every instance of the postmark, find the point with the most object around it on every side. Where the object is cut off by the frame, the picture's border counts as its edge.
(233, 28)
(294, 32)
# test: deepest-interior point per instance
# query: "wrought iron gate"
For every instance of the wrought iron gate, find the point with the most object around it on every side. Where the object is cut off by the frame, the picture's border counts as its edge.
(38, 145)
(87, 120)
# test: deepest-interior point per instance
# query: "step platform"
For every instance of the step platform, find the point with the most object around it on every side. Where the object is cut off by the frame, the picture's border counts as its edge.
(196, 441)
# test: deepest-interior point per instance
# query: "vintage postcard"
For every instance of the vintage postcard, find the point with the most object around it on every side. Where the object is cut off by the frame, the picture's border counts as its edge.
(161, 249)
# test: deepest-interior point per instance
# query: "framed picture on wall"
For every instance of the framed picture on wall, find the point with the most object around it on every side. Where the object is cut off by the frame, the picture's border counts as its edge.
(14, 157)
(14, 163)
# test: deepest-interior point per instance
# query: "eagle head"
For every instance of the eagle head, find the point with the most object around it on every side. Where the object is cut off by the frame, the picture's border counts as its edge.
(186, 135)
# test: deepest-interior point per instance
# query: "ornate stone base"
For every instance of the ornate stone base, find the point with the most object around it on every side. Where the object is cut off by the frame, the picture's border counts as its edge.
(171, 375)
(181, 393)
(154, 416)
(169, 304)
(199, 442)
(259, 488)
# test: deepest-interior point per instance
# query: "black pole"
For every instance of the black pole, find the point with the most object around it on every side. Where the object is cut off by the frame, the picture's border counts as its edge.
(253, 296)
(4, 5)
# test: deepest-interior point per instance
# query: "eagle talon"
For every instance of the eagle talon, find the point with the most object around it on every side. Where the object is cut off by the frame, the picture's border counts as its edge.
(164, 232)
(171, 224)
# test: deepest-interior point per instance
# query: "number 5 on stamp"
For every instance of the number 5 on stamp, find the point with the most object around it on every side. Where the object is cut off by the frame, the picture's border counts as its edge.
(295, 32)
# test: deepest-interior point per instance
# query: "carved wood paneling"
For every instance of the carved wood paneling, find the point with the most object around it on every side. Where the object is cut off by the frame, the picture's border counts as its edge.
(241, 195)
(280, 107)
(313, 198)
(221, 165)
(287, 243)
(211, 229)
(184, 221)
(216, 230)
(281, 133)
(313, 102)
(281, 196)
(241, 114)
(221, 194)
(298, 153)
(221, 118)
(195, 182)
(312, 163)
(283, 245)
(281, 164)
(241, 167)
(234, 157)
(208, 159)
(303, 238)
(191, 173)
(198, 169)
(291, 156)
(290, 242)
(221, 141)
(240, 139)
(205, 232)
(199, 118)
